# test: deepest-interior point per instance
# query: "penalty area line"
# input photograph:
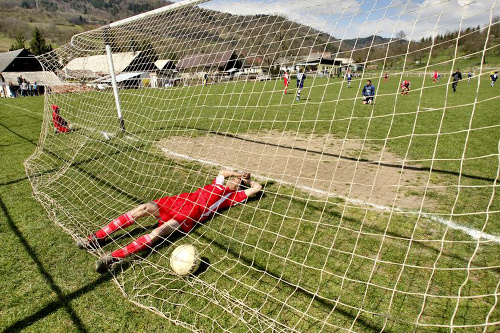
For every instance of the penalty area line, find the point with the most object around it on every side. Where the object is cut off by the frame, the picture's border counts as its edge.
(474, 233)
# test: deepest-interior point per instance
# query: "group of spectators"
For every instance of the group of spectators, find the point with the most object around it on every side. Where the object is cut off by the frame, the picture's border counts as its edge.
(24, 88)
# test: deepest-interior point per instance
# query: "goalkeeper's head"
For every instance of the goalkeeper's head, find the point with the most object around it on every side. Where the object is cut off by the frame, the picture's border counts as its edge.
(55, 108)
(233, 183)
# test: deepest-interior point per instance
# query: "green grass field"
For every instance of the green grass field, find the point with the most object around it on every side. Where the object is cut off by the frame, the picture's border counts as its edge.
(307, 263)
(47, 284)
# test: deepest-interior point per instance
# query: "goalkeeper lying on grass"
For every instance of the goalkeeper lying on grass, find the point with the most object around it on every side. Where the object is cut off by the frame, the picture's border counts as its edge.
(60, 124)
(182, 211)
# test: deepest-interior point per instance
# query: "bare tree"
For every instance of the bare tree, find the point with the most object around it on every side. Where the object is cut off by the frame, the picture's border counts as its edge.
(401, 35)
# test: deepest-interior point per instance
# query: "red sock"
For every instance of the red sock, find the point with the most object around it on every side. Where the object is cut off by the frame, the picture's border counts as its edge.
(119, 223)
(139, 244)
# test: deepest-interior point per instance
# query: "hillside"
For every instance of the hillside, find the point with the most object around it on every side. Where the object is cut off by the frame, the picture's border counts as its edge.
(60, 19)
(269, 37)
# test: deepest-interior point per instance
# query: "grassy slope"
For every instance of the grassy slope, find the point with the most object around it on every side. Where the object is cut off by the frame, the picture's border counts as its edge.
(47, 284)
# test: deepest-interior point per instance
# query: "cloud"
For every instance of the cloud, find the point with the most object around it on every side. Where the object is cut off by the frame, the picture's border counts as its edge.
(361, 18)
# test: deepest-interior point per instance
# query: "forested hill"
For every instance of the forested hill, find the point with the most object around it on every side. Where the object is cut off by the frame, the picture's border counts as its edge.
(58, 20)
(272, 36)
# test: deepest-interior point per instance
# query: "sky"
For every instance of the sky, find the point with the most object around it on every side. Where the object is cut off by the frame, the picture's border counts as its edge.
(361, 18)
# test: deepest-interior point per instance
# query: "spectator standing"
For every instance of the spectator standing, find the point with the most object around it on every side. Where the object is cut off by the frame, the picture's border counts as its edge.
(12, 90)
(24, 88)
(3, 86)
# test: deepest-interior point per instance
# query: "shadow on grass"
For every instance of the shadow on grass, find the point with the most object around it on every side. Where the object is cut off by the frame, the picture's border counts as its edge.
(249, 262)
(63, 301)
(17, 134)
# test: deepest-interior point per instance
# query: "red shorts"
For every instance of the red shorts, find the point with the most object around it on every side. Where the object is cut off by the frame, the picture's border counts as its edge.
(179, 208)
(62, 129)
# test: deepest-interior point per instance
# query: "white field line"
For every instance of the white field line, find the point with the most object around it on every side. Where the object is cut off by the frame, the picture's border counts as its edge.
(431, 109)
(474, 233)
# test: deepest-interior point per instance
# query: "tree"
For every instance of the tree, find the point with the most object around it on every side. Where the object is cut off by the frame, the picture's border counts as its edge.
(19, 41)
(401, 35)
(37, 43)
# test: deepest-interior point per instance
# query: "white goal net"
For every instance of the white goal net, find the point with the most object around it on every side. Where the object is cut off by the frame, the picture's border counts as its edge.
(378, 212)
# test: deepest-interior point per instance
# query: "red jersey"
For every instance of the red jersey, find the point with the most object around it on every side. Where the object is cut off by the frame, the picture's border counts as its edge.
(189, 208)
(406, 84)
(60, 124)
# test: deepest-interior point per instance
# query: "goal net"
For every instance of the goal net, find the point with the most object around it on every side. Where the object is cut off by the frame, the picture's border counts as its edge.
(378, 212)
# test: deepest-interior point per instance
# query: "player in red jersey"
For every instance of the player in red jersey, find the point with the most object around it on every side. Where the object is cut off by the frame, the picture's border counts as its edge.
(435, 76)
(182, 211)
(405, 87)
(60, 124)
(286, 79)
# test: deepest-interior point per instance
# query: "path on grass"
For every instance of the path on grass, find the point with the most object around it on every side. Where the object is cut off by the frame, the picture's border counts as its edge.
(346, 168)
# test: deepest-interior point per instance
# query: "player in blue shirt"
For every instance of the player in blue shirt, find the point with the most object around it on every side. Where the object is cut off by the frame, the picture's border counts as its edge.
(494, 78)
(349, 78)
(300, 83)
(368, 92)
(469, 76)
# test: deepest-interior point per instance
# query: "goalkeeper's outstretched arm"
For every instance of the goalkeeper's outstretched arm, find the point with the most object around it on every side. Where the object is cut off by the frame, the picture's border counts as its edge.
(255, 186)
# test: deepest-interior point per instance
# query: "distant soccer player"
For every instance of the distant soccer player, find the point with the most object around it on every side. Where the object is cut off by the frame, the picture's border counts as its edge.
(349, 78)
(286, 79)
(300, 83)
(386, 77)
(494, 78)
(405, 87)
(457, 76)
(435, 76)
(181, 211)
(368, 92)
(60, 124)
(469, 76)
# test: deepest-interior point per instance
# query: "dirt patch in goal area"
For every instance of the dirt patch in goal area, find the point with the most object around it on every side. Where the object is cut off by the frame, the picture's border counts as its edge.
(320, 165)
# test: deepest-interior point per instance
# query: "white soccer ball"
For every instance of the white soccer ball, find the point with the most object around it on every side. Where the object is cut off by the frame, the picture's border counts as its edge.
(185, 260)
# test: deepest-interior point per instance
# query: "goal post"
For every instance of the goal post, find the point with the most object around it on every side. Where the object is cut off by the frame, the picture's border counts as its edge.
(129, 21)
(115, 87)
(379, 209)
